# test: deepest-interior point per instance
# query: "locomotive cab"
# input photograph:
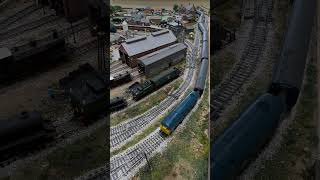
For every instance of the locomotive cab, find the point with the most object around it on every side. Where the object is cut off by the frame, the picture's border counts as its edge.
(165, 130)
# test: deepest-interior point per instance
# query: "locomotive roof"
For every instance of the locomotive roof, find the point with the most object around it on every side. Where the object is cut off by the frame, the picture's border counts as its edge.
(162, 53)
(146, 43)
(4, 53)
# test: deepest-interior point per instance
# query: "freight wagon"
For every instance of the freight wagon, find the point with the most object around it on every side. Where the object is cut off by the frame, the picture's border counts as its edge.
(120, 79)
(117, 103)
(29, 57)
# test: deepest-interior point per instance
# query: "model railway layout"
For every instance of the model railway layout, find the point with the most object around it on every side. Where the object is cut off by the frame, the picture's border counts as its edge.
(128, 162)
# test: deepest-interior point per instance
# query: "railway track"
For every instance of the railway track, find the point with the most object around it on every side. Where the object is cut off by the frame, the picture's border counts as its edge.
(85, 47)
(119, 68)
(4, 24)
(123, 132)
(124, 70)
(115, 65)
(248, 62)
(76, 27)
(122, 165)
(27, 27)
(36, 148)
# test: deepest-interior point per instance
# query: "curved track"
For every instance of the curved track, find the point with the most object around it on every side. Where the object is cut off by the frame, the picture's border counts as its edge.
(250, 57)
(18, 15)
(123, 164)
(27, 27)
(122, 132)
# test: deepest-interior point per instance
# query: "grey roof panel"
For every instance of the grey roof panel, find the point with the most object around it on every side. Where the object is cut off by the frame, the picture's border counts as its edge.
(151, 42)
(4, 53)
(162, 53)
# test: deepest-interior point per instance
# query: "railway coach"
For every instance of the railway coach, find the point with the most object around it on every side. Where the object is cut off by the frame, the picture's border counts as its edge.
(31, 57)
(117, 103)
(241, 142)
(120, 79)
(201, 79)
(288, 74)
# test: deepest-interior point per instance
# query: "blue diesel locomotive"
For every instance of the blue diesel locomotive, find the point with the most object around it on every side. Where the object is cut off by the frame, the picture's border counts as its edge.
(170, 122)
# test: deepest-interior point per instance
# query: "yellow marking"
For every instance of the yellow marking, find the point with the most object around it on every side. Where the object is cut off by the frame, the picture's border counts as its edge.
(165, 130)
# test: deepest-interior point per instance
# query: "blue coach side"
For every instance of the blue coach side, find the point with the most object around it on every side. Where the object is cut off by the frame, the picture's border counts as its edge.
(169, 124)
(245, 137)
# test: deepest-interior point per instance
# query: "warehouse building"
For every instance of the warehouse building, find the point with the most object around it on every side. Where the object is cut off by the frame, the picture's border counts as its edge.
(134, 48)
(160, 60)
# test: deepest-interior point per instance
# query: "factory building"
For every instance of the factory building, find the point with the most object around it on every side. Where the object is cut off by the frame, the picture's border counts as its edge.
(160, 60)
(134, 48)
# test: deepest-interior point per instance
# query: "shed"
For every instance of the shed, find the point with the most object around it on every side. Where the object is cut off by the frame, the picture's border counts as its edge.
(160, 60)
(134, 48)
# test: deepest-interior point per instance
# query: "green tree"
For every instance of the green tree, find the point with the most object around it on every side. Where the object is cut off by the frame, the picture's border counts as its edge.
(114, 9)
(175, 7)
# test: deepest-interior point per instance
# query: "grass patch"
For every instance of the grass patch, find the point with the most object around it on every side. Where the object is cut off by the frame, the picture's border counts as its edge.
(294, 158)
(148, 103)
(70, 161)
(186, 156)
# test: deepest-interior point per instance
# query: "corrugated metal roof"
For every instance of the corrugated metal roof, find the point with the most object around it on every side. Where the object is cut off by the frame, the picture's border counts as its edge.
(162, 53)
(150, 42)
(4, 53)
